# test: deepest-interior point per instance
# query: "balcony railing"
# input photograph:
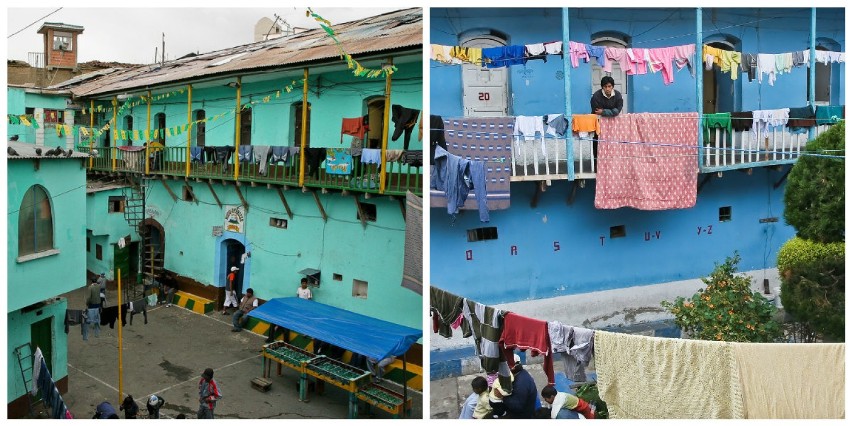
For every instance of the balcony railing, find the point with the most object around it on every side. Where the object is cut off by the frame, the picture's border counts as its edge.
(172, 161)
(545, 159)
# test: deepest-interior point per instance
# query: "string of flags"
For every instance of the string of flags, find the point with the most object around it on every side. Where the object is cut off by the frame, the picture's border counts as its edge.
(153, 134)
(357, 69)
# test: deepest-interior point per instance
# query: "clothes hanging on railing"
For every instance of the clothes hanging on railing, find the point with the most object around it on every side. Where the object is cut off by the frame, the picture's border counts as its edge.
(526, 128)
(763, 119)
(801, 117)
(261, 157)
(196, 154)
(355, 127)
(741, 121)
(668, 180)
(453, 176)
(279, 154)
(436, 135)
(586, 123)
(413, 158)
(557, 125)
(245, 154)
(338, 161)
(829, 114)
(393, 155)
(719, 120)
(404, 120)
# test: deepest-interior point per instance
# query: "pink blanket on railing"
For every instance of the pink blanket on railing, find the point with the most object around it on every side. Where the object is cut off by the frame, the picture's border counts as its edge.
(648, 161)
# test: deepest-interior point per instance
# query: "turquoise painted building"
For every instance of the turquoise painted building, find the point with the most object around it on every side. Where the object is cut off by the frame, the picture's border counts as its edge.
(46, 202)
(191, 215)
(548, 252)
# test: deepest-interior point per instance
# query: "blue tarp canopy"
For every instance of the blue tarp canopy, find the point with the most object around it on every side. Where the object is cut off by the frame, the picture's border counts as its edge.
(354, 332)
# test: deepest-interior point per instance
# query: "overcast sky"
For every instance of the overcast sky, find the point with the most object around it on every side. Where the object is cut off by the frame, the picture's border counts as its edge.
(131, 34)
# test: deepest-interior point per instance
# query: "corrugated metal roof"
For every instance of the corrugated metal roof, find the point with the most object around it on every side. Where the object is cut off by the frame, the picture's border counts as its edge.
(60, 26)
(394, 31)
(27, 151)
(93, 186)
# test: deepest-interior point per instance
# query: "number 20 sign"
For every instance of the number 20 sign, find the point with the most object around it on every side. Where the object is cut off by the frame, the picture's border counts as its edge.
(484, 96)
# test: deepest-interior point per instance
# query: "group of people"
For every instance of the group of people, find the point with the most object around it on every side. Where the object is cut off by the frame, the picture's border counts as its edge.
(491, 401)
(208, 395)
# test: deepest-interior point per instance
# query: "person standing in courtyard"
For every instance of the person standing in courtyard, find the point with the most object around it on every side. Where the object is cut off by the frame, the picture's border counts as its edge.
(208, 394)
(155, 402)
(231, 291)
(248, 303)
(102, 284)
(93, 309)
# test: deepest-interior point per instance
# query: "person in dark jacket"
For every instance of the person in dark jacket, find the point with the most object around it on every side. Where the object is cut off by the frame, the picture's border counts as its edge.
(130, 408)
(607, 101)
(521, 403)
(105, 410)
(153, 405)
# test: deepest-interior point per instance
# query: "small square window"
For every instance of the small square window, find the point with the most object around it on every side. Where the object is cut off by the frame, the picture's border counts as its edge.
(116, 205)
(725, 214)
(481, 234)
(369, 210)
(88, 244)
(99, 252)
(359, 289)
(617, 231)
(277, 222)
(337, 277)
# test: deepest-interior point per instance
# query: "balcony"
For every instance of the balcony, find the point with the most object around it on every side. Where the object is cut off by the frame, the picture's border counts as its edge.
(174, 162)
(546, 159)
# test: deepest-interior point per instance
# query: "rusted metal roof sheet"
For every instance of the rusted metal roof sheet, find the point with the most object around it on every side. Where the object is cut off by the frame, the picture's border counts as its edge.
(401, 31)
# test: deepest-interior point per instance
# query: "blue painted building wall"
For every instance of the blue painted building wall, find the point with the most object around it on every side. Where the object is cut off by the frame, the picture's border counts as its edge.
(679, 244)
(537, 88)
(659, 246)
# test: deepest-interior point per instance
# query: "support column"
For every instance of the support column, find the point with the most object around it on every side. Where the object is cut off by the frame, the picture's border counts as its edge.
(812, 71)
(304, 135)
(385, 129)
(699, 78)
(188, 126)
(237, 123)
(566, 70)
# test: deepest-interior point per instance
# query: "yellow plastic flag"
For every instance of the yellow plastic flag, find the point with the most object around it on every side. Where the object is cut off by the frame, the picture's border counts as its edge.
(277, 94)
(25, 121)
(169, 132)
(156, 133)
(124, 135)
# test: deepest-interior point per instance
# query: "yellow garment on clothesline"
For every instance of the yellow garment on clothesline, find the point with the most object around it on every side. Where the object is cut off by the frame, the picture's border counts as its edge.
(730, 61)
(715, 52)
(471, 55)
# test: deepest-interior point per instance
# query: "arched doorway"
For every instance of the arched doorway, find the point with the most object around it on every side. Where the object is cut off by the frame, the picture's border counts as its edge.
(152, 261)
(485, 90)
(231, 253)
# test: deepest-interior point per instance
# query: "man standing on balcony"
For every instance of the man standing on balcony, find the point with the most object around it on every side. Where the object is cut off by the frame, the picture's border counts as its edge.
(606, 102)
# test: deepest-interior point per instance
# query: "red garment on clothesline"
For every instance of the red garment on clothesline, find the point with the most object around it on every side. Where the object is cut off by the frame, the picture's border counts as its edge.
(527, 333)
(354, 127)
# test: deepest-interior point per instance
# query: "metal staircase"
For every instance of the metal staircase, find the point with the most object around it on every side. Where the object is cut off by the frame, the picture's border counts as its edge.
(25, 361)
(134, 215)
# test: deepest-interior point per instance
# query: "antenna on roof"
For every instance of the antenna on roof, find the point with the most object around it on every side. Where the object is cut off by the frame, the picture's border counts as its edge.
(163, 60)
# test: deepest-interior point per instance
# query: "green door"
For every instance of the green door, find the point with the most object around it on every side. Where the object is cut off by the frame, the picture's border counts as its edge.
(41, 333)
(121, 261)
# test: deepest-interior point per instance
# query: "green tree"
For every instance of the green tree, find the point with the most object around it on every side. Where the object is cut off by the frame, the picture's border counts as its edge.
(726, 309)
(814, 196)
(812, 285)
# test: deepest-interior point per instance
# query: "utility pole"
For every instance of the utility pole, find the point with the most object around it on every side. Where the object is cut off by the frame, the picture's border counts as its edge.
(163, 60)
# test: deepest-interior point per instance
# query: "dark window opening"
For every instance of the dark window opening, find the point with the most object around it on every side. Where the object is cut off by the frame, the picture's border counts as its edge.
(199, 128)
(88, 244)
(187, 194)
(725, 214)
(359, 289)
(99, 252)
(369, 211)
(35, 222)
(337, 277)
(160, 122)
(297, 125)
(481, 234)
(128, 127)
(617, 231)
(245, 127)
(116, 204)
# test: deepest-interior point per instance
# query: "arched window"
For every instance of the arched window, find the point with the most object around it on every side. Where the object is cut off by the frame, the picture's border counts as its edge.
(611, 39)
(485, 90)
(128, 126)
(35, 222)
(160, 124)
(296, 120)
(198, 128)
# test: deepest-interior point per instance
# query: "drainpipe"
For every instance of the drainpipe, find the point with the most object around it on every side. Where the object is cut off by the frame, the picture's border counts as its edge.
(237, 124)
(148, 137)
(189, 125)
(385, 124)
(566, 69)
(304, 135)
(699, 79)
(92, 129)
(114, 130)
(812, 71)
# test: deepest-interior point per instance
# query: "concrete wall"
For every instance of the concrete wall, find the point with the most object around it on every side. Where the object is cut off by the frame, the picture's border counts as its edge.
(18, 329)
(538, 87)
(566, 249)
(35, 280)
(104, 228)
(339, 246)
